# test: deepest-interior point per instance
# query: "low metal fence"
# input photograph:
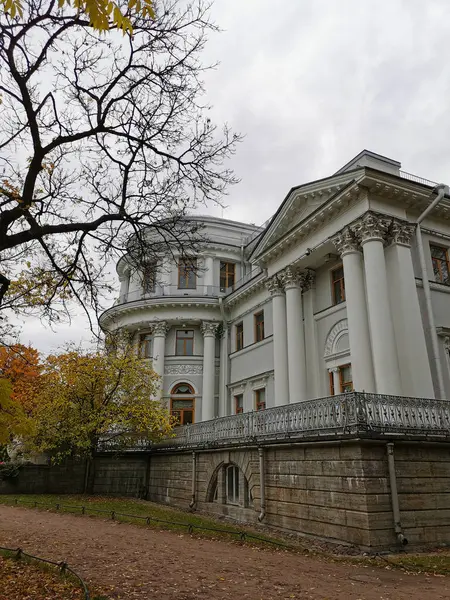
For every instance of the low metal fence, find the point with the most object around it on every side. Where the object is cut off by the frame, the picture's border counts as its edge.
(62, 566)
(190, 527)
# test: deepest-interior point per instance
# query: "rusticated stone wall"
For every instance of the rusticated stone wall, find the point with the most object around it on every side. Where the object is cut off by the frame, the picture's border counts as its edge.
(338, 491)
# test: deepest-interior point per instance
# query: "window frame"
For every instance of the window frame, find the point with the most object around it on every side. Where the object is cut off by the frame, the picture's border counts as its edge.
(227, 275)
(149, 277)
(343, 383)
(145, 341)
(183, 397)
(239, 336)
(340, 281)
(233, 498)
(184, 340)
(331, 381)
(187, 267)
(438, 261)
(258, 326)
(237, 399)
(260, 405)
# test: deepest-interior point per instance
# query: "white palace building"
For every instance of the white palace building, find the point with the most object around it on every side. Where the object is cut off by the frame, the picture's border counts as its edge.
(328, 297)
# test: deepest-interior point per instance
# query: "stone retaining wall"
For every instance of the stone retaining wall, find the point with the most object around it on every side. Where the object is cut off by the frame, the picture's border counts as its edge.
(337, 491)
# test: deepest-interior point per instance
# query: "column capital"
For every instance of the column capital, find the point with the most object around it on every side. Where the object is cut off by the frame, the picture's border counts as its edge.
(160, 328)
(401, 233)
(308, 280)
(372, 227)
(275, 285)
(291, 277)
(346, 242)
(333, 370)
(209, 328)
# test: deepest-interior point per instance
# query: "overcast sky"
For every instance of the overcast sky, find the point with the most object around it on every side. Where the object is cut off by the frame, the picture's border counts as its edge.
(311, 83)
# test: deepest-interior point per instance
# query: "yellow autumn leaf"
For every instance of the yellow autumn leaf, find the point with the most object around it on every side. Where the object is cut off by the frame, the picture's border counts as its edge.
(103, 14)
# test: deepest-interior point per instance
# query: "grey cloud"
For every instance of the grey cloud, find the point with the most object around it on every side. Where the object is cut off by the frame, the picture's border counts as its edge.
(312, 83)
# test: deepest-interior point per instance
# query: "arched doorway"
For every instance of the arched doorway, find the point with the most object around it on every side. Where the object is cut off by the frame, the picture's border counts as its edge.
(182, 403)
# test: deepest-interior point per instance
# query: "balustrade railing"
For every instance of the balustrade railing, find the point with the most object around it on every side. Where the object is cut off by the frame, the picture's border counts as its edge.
(353, 413)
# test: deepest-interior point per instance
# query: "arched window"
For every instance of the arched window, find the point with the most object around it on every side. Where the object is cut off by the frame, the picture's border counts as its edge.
(230, 486)
(183, 409)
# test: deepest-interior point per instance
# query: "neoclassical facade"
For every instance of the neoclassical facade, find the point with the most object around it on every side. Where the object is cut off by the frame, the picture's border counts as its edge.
(328, 297)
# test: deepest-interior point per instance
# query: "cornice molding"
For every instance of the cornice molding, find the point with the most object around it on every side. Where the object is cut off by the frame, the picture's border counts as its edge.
(156, 303)
(324, 214)
(246, 291)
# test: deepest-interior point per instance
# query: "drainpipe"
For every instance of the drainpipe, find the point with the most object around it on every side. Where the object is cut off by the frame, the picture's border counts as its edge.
(442, 191)
(394, 495)
(262, 484)
(193, 502)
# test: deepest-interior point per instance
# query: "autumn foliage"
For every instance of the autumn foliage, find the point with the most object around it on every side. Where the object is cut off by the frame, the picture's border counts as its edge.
(102, 14)
(77, 400)
(22, 367)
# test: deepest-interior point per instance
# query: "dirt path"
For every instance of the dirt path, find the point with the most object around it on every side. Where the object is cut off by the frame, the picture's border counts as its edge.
(134, 562)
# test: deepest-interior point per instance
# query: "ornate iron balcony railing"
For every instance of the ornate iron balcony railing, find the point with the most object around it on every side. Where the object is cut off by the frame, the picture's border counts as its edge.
(347, 414)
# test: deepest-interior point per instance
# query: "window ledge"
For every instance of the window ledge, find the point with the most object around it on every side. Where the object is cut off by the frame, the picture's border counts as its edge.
(334, 308)
(237, 353)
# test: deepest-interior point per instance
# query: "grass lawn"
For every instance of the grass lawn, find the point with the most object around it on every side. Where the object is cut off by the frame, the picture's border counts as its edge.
(141, 512)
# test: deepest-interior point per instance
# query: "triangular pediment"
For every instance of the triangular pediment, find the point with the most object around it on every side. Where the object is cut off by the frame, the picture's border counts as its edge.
(298, 205)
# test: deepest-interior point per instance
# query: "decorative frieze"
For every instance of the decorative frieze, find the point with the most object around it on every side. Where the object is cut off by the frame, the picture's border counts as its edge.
(183, 369)
(336, 331)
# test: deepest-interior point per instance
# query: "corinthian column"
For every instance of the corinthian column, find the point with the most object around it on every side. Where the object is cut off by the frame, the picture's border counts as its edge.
(308, 280)
(280, 353)
(372, 231)
(295, 336)
(358, 325)
(209, 330)
(408, 326)
(160, 330)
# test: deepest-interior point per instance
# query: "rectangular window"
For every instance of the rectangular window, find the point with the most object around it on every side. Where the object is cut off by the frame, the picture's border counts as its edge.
(260, 399)
(338, 285)
(145, 345)
(232, 478)
(149, 277)
(332, 390)
(345, 378)
(227, 275)
(239, 336)
(187, 274)
(239, 404)
(182, 411)
(259, 326)
(184, 342)
(439, 258)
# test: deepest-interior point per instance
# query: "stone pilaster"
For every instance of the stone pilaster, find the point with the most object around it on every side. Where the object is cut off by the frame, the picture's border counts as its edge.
(372, 232)
(280, 350)
(347, 244)
(412, 353)
(209, 330)
(159, 331)
(308, 283)
(295, 336)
